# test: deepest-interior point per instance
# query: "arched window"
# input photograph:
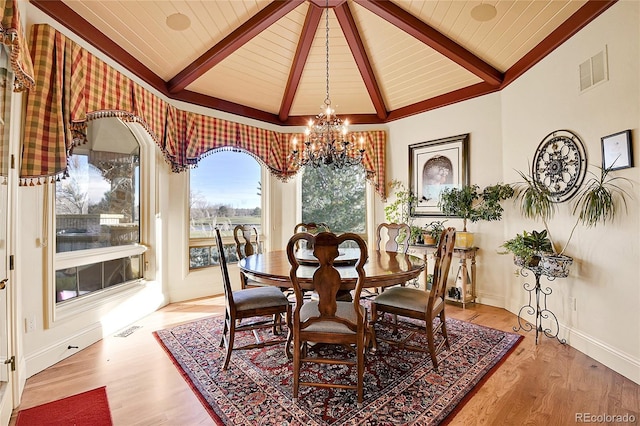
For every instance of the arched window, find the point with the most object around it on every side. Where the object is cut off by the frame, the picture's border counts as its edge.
(225, 191)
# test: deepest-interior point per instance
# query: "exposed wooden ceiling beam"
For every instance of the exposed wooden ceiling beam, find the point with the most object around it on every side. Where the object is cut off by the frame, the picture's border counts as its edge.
(207, 101)
(309, 29)
(256, 114)
(348, 25)
(450, 98)
(78, 25)
(241, 35)
(432, 38)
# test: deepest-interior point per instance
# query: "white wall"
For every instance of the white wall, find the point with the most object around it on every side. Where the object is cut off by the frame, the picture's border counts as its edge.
(481, 118)
(605, 275)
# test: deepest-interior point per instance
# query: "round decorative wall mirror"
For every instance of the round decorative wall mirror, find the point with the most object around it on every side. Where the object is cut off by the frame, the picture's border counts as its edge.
(560, 164)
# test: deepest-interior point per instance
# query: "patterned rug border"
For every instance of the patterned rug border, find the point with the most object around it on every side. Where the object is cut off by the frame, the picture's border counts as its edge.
(444, 421)
(185, 374)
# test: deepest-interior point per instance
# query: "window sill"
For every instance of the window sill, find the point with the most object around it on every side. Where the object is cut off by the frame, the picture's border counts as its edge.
(71, 259)
(69, 309)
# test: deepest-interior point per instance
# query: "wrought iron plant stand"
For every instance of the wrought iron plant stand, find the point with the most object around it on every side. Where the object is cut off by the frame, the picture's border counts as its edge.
(538, 295)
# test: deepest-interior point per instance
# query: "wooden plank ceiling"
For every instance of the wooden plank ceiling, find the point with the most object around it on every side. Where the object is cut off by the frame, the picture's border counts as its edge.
(267, 59)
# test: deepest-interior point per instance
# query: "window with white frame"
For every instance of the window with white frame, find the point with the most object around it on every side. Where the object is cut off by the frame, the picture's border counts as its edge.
(97, 213)
(337, 197)
(225, 191)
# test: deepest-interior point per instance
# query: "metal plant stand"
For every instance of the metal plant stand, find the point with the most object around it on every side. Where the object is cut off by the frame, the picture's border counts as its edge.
(539, 309)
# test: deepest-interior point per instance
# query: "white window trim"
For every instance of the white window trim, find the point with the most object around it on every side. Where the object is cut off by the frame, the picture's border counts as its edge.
(59, 312)
(71, 259)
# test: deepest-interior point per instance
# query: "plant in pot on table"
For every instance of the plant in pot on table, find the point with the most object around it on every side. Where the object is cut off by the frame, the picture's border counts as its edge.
(432, 232)
(471, 204)
(599, 200)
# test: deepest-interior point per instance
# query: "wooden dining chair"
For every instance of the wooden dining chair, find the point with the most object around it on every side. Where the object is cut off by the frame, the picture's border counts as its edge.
(247, 243)
(391, 237)
(328, 320)
(251, 303)
(397, 237)
(419, 304)
(312, 228)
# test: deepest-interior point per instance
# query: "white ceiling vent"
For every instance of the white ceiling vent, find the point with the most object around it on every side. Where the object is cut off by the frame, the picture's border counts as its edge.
(594, 70)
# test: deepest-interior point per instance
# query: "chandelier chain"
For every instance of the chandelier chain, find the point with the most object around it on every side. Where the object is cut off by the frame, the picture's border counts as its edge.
(327, 101)
(327, 140)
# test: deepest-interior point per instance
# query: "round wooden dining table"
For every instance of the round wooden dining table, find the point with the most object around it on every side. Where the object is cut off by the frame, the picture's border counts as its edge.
(382, 269)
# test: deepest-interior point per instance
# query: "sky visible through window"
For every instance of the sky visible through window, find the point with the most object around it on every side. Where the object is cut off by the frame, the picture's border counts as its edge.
(229, 178)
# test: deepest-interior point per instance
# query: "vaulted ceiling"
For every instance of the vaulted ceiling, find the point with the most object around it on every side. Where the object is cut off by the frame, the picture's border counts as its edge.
(267, 59)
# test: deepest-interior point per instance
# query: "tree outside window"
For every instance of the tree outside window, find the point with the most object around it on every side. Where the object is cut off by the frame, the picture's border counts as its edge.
(336, 197)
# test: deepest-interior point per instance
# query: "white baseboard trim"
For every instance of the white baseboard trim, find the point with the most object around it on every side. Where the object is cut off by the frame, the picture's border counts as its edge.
(620, 362)
(614, 359)
(491, 300)
(49, 355)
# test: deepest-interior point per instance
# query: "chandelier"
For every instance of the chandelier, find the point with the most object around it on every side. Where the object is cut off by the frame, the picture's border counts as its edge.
(327, 140)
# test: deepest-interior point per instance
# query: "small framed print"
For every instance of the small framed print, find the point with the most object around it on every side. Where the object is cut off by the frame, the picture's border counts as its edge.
(616, 151)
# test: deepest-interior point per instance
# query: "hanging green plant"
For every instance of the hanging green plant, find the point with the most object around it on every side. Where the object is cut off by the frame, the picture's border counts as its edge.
(599, 201)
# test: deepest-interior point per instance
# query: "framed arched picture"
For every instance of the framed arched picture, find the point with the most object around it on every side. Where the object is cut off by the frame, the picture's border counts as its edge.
(436, 165)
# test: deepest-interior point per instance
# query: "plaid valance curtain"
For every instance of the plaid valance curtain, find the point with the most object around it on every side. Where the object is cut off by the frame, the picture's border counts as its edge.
(73, 86)
(13, 37)
(19, 61)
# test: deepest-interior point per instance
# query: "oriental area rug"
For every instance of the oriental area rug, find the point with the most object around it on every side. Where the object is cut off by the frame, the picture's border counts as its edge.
(90, 408)
(400, 386)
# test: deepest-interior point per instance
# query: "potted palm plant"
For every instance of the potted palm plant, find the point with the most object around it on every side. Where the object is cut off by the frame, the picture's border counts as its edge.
(599, 201)
(527, 248)
(471, 204)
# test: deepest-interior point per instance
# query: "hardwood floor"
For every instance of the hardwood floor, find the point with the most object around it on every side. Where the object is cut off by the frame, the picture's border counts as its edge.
(547, 384)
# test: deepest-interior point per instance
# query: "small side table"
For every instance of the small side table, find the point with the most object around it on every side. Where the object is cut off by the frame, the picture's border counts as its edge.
(466, 255)
(538, 310)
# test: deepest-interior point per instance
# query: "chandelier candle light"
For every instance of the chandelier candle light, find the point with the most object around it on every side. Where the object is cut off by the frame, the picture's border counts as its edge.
(327, 137)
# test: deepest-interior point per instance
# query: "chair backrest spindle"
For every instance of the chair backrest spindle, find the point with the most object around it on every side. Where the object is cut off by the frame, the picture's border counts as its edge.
(397, 237)
(228, 292)
(243, 235)
(443, 255)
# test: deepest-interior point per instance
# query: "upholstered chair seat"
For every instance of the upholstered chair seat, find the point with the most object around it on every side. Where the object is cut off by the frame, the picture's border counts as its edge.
(261, 297)
(344, 310)
(409, 298)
